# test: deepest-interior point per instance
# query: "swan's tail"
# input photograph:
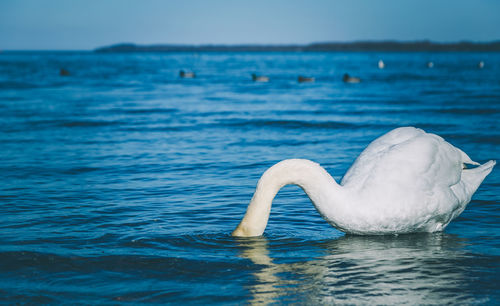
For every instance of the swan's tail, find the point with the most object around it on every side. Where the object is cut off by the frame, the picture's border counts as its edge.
(466, 159)
(472, 178)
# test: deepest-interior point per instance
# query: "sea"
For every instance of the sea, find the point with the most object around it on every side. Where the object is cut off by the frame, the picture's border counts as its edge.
(121, 182)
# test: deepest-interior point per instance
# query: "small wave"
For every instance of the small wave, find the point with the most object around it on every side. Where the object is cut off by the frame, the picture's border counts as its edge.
(72, 123)
(474, 138)
(88, 123)
(277, 142)
(17, 85)
(294, 124)
(146, 111)
(49, 262)
(80, 170)
(409, 77)
(469, 111)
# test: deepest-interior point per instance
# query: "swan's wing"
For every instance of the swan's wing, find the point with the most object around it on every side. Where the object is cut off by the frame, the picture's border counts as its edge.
(377, 151)
(408, 168)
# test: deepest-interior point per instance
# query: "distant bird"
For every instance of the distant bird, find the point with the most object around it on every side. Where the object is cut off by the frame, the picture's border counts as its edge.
(260, 78)
(349, 79)
(430, 64)
(480, 65)
(303, 79)
(64, 72)
(381, 64)
(187, 75)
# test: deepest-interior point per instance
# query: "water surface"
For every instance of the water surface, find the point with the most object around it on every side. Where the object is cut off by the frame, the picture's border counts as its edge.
(122, 182)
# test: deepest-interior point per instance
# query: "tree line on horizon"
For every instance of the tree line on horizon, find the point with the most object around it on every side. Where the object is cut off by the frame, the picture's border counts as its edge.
(376, 46)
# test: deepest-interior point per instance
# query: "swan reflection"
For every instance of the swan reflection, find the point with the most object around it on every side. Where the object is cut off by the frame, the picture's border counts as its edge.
(267, 287)
(415, 269)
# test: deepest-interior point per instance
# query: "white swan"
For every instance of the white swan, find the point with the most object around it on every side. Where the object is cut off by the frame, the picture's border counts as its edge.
(381, 64)
(405, 181)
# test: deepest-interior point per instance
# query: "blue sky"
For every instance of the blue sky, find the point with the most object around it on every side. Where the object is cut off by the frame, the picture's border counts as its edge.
(87, 24)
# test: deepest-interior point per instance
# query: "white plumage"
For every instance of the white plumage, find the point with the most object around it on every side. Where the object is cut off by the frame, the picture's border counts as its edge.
(405, 181)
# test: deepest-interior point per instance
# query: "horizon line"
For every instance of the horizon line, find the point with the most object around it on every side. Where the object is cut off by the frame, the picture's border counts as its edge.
(264, 45)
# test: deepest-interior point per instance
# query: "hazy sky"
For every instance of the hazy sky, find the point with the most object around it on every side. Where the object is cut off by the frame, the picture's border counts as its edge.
(87, 24)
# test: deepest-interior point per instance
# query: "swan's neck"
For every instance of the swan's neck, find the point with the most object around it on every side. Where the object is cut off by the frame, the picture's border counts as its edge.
(311, 177)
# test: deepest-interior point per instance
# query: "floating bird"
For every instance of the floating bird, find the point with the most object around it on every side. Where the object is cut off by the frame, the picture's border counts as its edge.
(349, 79)
(381, 64)
(405, 181)
(480, 65)
(260, 78)
(63, 72)
(187, 75)
(303, 79)
(430, 64)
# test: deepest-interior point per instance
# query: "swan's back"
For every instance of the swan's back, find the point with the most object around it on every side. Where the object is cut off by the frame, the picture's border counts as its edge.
(414, 177)
(405, 155)
(376, 152)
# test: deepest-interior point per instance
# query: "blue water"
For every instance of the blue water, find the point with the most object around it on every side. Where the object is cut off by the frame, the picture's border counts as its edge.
(122, 182)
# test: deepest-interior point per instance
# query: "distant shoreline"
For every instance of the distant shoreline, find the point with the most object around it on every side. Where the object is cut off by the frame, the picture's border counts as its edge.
(359, 46)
